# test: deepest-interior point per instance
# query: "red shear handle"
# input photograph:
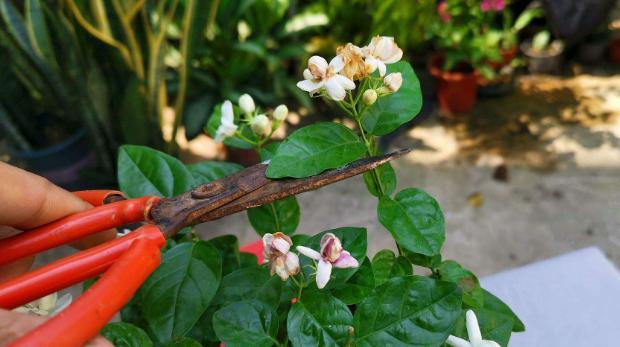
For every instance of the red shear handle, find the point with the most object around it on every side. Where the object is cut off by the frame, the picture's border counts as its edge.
(84, 318)
(99, 197)
(74, 227)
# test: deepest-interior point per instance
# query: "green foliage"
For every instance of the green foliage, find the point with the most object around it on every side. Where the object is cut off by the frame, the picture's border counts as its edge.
(386, 265)
(126, 335)
(281, 215)
(314, 149)
(246, 323)
(387, 179)
(451, 271)
(358, 286)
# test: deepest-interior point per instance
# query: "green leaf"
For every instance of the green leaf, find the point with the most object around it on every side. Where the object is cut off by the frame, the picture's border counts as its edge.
(430, 262)
(385, 265)
(493, 303)
(183, 342)
(394, 110)
(214, 123)
(126, 335)
(354, 240)
(269, 150)
(38, 31)
(228, 247)
(387, 178)
(134, 122)
(414, 219)
(246, 323)
(211, 170)
(411, 311)
(357, 288)
(145, 171)
(314, 149)
(452, 271)
(196, 114)
(249, 283)
(180, 289)
(281, 215)
(493, 326)
(319, 319)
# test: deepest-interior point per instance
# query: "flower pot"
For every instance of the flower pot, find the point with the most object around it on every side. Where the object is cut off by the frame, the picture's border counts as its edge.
(456, 91)
(614, 50)
(61, 163)
(592, 52)
(544, 62)
(508, 56)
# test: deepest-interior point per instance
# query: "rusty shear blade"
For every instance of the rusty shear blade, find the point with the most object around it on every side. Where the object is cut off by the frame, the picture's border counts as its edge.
(246, 189)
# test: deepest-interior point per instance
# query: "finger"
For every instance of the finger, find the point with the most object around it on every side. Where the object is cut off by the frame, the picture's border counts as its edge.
(28, 200)
(14, 325)
(16, 268)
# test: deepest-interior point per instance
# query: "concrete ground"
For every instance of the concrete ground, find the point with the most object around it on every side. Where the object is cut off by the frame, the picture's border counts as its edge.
(524, 177)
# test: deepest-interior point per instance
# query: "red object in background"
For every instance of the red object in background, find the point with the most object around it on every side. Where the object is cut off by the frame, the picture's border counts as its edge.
(614, 50)
(456, 91)
(508, 56)
(255, 248)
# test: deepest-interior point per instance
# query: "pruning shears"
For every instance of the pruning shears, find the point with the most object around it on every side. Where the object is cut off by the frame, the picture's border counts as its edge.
(127, 261)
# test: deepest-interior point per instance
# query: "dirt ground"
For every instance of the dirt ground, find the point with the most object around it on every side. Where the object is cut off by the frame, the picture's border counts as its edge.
(522, 178)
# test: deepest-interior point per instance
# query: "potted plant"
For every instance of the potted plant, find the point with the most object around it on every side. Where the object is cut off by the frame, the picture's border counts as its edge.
(320, 289)
(543, 55)
(465, 45)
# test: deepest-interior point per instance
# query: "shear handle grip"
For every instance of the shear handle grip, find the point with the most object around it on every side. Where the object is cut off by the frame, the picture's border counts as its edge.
(74, 227)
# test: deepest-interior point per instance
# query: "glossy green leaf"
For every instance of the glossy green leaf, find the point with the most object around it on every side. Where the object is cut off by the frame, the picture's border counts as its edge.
(314, 149)
(281, 215)
(493, 326)
(228, 247)
(246, 323)
(180, 289)
(385, 265)
(353, 240)
(126, 335)
(145, 171)
(431, 262)
(211, 170)
(269, 150)
(387, 179)
(214, 123)
(357, 288)
(408, 311)
(183, 342)
(319, 319)
(394, 110)
(452, 271)
(249, 283)
(196, 114)
(493, 303)
(414, 219)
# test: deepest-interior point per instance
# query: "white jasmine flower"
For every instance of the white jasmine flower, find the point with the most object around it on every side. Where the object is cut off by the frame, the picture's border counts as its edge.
(393, 81)
(380, 51)
(280, 113)
(46, 306)
(320, 75)
(246, 103)
(369, 97)
(276, 252)
(261, 125)
(227, 126)
(331, 255)
(473, 331)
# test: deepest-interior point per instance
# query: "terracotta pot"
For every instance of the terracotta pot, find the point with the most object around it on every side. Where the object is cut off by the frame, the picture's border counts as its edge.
(614, 50)
(507, 56)
(456, 91)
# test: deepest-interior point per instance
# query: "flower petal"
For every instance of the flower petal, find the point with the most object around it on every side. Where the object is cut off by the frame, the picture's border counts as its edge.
(280, 268)
(320, 62)
(292, 263)
(334, 89)
(228, 116)
(382, 68)
(396, 56)
(309, 252)
(309, 85)
(345, 82)
(457, 342)
(308, 74)
(281, 245)
(473, 330)
(488, 343)
(371, 64)
(337, 63)
(346, 261)
(323, 272)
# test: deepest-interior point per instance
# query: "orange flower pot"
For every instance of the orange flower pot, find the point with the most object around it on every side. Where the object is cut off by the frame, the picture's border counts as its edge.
(456, 91)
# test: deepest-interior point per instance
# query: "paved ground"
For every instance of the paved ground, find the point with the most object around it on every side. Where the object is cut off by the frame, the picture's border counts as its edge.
(556, 142)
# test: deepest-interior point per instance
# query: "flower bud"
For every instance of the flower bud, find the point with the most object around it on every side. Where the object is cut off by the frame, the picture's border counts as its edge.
(280, 113)
(393, 81)
(369, 97)
(246, 103)
(261, 125)
(331, 248)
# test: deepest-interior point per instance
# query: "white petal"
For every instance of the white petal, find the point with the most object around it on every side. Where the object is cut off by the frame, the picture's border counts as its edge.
(337, 63)
(487, 343)
(281, 245)
(292, 263)
(346, 261)
(457, 342)
(279, 267)
(382, 68)
(308, 74)
(320, 62)
(309, 252)
(48, 302)
(227, 112)
(473, 330)
(345, 82)
(309, 85)
(396, 56)
(372, 63)
(323, 272)
(334, 89)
